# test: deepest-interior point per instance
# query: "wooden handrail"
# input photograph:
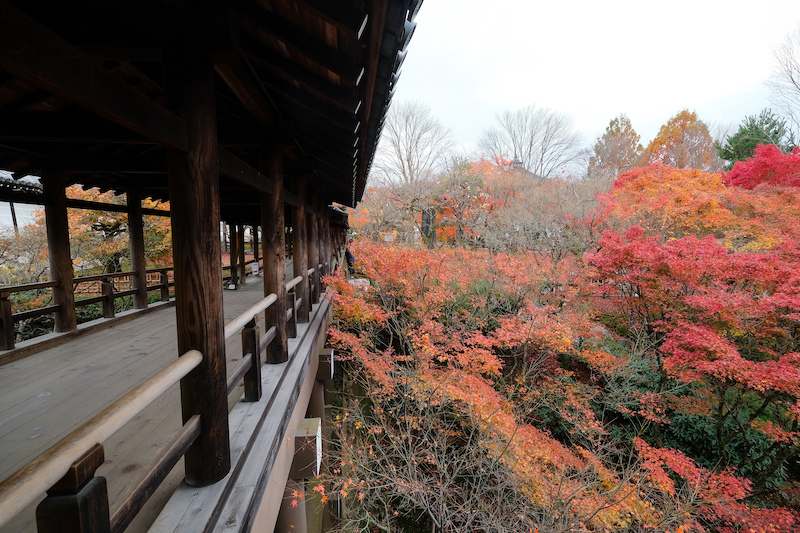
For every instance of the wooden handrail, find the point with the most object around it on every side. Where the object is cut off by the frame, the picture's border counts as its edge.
(33, 313)
(293, 283)
(159, 270)
(240, 321)
(250, 262)
(26, 485)
(310, 271)
(95, 277)
(102, 277)
(8, 289)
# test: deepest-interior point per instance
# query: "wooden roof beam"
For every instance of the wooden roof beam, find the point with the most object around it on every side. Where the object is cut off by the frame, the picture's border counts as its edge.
(115, 164)
(247, 89)
(241, 171)
(112, 208)
(307, 80)
(68, 126)
(34, 53)
(259, 21)
(313, 108)
(348, 20)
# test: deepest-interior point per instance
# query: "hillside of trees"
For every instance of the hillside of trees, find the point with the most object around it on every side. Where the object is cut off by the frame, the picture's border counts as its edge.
(614, 352)
(645, 374)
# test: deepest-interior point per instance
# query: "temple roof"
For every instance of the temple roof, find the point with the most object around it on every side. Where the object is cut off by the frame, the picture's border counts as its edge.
(82, 89)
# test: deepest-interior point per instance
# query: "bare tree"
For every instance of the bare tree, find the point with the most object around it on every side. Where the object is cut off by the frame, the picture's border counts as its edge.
(413, 146)
(542, 139)
(785, 81)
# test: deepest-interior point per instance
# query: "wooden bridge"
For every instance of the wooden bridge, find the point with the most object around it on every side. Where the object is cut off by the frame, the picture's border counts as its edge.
(259, 113)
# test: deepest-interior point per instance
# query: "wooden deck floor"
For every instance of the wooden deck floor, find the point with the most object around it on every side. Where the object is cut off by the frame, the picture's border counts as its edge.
(46, 395)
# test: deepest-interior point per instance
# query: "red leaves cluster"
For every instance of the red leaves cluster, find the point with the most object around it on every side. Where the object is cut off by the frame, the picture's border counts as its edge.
(769, 167)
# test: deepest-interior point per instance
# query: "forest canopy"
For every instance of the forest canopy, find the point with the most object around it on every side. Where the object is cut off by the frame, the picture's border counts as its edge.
(533, 356)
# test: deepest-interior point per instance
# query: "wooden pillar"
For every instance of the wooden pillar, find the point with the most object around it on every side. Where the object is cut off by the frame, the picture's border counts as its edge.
(328, 251)
(234, 255)
(138, 260)
(313, 244)
(255, 242)
(300, 250)
(241, 261)
(55, 211)
(273, 227)
(322, 245)
(325, 238)
(224, 242)
(194, 202)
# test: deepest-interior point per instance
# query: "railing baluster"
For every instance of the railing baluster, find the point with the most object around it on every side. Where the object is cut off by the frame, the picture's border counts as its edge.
(7, 339)
(251, 345)
(107, 286)
(164, 286)
(78, 502)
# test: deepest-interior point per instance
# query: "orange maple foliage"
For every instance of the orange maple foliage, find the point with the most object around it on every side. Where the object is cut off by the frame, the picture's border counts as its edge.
(683, 142)
(651, 384)
(431, 338)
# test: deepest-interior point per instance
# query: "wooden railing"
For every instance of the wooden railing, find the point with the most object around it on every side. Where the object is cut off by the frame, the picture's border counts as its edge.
(227, 277)
(66, 470)
(68, 465)
(108, 294)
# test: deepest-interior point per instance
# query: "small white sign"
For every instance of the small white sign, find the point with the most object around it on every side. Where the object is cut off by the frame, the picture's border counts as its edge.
(255, 269)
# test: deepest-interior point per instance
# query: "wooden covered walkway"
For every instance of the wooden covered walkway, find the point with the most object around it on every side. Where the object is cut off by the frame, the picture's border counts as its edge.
(259, 114)
(43, 397)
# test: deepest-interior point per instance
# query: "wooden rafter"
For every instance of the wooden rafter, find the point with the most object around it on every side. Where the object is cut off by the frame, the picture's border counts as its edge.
(66, 71)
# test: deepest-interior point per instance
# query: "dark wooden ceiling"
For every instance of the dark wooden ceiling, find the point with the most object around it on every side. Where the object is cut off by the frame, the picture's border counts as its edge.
(82, 89)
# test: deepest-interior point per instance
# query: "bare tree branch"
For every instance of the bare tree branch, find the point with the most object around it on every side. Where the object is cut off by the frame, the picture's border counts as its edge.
(413, 146)
(544, 140)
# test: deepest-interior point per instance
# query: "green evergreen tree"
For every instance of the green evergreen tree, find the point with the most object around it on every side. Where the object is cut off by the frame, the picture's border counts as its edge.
(764, 128)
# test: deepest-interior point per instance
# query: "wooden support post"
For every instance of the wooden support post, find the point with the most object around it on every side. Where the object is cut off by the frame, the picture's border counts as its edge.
(313, 246)
(242, 262)
(55, 211)
(107, 288)
(325, 232)
(316, 404)
(300, 250)
(194, 202)
(251, 345)
(256, 256)
(7, 338)
(234, 255)
(136, 234)
(164, 286)
(274, 231)
(78, 503)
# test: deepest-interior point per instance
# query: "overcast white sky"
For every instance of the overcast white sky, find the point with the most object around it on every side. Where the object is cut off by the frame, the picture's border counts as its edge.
(470, 59)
